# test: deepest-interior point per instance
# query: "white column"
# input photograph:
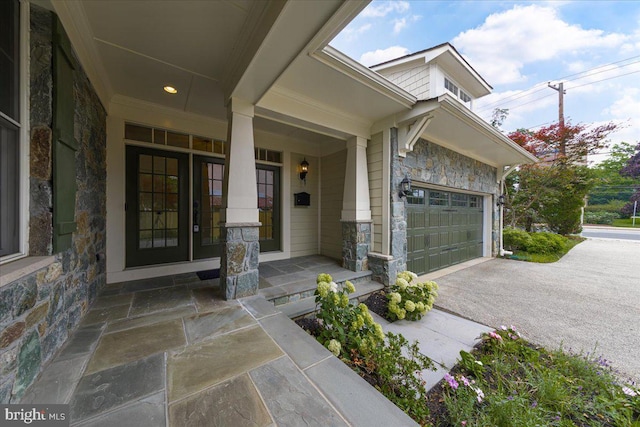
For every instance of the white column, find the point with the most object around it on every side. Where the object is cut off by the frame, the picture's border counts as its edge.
(355, 201)
(240, 197)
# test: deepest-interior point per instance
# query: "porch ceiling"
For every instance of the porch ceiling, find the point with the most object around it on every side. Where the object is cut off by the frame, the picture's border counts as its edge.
(456, 127)
(265, 52)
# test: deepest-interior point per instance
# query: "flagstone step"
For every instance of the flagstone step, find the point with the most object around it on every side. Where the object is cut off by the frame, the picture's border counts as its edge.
(305, 288)
(304, 306)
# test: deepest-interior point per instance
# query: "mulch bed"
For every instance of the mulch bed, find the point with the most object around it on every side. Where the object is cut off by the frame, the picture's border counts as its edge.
(377, 302)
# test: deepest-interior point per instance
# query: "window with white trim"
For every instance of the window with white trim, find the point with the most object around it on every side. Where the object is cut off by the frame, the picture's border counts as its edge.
(450, 86)
(10, 128)
(456, 91)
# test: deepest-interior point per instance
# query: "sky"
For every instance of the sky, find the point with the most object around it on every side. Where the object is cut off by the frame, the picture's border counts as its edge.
(593, 47)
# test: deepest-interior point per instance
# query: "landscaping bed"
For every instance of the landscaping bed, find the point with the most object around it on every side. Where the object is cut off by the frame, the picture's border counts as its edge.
(504, 381)
(541, 247)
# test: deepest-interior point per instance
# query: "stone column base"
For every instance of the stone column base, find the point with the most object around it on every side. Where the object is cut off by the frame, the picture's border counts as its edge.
(384, 268)
(356, 243)
(239, 260)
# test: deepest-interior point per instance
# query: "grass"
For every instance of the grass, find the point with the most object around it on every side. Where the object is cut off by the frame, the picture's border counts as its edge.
(626, 223)
(551, 257)
(508, 382)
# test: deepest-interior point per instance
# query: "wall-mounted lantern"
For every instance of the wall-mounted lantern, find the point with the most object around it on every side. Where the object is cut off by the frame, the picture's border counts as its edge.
(405, 187)
(500, 201)
(304, 169)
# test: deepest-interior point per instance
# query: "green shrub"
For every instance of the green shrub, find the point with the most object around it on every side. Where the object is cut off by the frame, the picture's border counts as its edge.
(612, 206)
(387, 361)
(601, 217)
(516, 239)
(546, 243)
(410, 299)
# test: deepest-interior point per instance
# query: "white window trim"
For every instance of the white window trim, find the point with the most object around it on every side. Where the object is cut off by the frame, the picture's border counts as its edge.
(23, 217)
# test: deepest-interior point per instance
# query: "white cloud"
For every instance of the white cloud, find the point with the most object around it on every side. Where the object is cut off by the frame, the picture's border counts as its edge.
(382, 55)
(505, 42)
(379, 10)
(399, 24)
(351, 34)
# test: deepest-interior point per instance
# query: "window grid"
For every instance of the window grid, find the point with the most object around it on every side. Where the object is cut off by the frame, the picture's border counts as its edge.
(158, 185)
(265, 182)
(212, 176)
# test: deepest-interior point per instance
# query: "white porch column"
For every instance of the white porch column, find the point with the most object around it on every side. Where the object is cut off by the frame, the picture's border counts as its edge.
(355, 200)
(240, 194)
(356, 208)
(240, 228)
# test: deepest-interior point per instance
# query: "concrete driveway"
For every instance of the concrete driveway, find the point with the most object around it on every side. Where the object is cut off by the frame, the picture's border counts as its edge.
(588, 300)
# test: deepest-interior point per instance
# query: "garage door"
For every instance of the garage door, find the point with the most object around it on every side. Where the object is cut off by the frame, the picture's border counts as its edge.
(443, 229)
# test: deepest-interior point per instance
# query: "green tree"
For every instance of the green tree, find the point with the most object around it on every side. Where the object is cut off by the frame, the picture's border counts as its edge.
(610, 184)
(632, 169)
(553, 191)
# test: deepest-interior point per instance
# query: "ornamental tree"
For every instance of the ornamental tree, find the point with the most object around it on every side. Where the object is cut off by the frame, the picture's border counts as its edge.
(553, 190)
(632, 170)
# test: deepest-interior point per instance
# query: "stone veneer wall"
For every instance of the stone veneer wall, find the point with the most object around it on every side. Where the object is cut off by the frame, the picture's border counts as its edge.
(356, 245)
(37, 312)
(429, 163)
(239, 275)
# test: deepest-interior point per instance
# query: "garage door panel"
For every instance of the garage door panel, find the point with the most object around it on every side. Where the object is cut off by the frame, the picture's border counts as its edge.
(442, 230)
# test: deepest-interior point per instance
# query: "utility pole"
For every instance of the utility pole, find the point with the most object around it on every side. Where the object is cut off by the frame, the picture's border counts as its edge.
(561, 92)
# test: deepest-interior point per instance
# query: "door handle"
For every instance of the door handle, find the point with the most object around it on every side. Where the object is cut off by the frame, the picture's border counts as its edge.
(196, 216)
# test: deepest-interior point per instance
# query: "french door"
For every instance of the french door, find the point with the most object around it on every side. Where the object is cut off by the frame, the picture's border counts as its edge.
(158, 212)
(157, 198)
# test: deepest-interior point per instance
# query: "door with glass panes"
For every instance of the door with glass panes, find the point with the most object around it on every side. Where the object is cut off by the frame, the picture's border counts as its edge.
(157, 199)
(158, 213)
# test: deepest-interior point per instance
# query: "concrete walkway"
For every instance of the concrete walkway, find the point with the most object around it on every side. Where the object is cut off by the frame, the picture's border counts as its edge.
(171, 352)
(588, 300)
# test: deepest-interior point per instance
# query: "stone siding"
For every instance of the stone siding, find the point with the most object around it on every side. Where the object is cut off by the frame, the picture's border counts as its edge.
(356, 244)
(239, 262)
(430, 163)
(38, 312)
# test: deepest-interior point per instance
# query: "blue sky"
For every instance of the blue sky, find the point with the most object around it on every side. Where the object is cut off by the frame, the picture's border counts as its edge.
(592, 46)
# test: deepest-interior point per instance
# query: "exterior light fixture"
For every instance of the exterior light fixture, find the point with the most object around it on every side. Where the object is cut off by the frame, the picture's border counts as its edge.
(304, 169)
(405, 187)
(170, 89)
(500, 201)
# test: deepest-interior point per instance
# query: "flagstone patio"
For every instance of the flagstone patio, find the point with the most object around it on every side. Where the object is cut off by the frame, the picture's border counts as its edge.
(170, 351)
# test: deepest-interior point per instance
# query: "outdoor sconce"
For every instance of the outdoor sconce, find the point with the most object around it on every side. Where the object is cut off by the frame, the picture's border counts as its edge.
(405, 187)
(304, 169)
(500, 201)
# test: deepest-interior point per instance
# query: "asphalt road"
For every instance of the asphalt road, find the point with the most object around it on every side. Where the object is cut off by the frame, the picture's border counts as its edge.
(611, 233)
(589, 301)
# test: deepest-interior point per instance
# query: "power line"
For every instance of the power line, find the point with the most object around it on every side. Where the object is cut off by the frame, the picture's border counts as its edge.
(608, 78)
(583, 74)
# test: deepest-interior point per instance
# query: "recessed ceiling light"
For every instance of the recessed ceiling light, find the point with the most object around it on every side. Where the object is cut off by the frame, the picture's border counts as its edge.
(170, 89)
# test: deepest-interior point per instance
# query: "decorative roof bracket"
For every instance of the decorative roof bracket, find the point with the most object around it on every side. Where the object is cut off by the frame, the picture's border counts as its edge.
(409, 134)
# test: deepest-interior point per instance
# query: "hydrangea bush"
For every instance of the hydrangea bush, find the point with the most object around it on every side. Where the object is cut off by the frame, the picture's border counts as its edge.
(345, 327)
(410, 299)
(387, 361)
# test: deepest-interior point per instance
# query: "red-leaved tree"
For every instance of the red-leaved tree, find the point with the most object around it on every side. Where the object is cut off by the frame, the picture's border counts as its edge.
(553, 190)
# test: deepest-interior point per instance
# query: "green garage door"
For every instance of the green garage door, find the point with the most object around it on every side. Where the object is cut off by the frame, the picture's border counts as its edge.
(443, 229)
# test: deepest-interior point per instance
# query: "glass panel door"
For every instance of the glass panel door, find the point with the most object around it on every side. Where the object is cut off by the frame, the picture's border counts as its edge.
(208, 174)
(157, 207)
(268, 182)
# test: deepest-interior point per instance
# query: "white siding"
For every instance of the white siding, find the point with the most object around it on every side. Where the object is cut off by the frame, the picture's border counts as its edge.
(374, 166)
(304, 219)
(332, 188)
(414, 80)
